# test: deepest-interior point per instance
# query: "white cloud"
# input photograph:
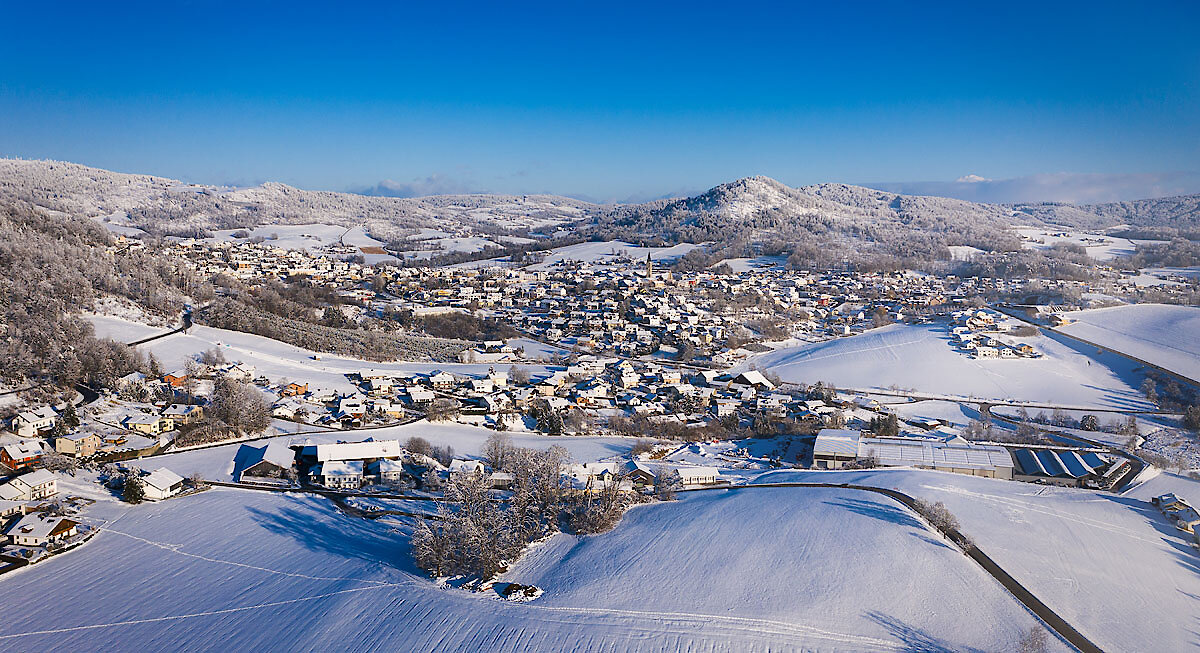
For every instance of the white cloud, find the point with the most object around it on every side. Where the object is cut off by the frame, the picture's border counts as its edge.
(1076, 188)
(435, 184)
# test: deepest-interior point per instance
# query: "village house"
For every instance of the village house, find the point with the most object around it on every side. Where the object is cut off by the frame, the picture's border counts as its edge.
(10, 508)
(441, 380)
(175, 379)
(835, 448)
(80, 444)
(148, 424)
(293, 390)
(386, 470)
(696, 476)
(420, 396)
(274, 460)
(458, 467)
(183, 413)
(34, 486)
(337, 474)
(32, 423)
(20, 455)
(162, 483)
(40, 529)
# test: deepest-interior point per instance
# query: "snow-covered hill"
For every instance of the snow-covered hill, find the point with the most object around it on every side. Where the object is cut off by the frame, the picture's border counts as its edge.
(923, 358)
(833, 220)
(240, 570)
(1165, 335)
(170, 206)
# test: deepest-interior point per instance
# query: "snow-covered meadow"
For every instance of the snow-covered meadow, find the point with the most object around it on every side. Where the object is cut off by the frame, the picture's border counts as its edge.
(923, 358)
(1161, 334)
(272, 358)
(812, 570)
(1111, 565)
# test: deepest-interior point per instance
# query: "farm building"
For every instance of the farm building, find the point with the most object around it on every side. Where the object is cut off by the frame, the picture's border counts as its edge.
(1060, 467)
(835, 448)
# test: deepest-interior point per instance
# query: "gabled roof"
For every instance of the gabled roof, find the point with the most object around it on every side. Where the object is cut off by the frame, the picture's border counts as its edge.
(36, 525)
(162, 479)
(19, 450)
(841, 442)
(358, 450)
(37, 477)
(341, 468)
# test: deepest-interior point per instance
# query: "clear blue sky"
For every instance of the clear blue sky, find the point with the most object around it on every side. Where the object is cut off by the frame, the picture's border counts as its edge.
(605, 100)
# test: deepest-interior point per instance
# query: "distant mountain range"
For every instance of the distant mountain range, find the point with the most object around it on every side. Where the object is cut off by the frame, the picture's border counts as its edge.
(751, 212)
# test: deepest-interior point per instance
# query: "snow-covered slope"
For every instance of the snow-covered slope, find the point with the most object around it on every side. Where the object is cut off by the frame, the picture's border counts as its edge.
(1165, 335)
(1111, 565)
(237, 570)
(922, 358)
(175, 207)
(850, 219)
(272, 358)
(832, 569)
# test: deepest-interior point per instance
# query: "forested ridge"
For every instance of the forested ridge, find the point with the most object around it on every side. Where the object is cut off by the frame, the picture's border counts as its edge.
(52, 267)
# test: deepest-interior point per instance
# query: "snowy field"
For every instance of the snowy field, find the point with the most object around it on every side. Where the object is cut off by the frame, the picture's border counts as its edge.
(1110, 565)
(956, 414)
(1098, 246)
(231, 569)
(1167, 336)
(286, 236)
(833, 569)
(275, 359)
(963, 252)
(742, 265)
(122, 330)
(922, 358)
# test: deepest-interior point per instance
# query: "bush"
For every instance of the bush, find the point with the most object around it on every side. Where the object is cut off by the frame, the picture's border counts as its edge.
(134, 491)
(641, 447)
(419, 445)
(938, 515)
(442, 410)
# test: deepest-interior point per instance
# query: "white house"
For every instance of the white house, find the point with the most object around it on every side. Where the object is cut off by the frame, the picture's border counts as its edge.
(692, 476)
(835, 448)
(338, 474)
(33, 486)
(467, 467)
(162, 483)
(38, 529)
(387, 471)
(33, 422)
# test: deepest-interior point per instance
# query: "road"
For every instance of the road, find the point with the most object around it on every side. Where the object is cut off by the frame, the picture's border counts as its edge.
(187, 324)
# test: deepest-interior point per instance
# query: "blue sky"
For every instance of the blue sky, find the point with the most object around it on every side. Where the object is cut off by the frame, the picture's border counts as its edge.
(611, 100)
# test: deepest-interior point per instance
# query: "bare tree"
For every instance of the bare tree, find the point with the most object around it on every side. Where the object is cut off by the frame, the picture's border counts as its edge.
(519, 376)
(417, 444)
(240, 406)
(441, 410)
(496, 449)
